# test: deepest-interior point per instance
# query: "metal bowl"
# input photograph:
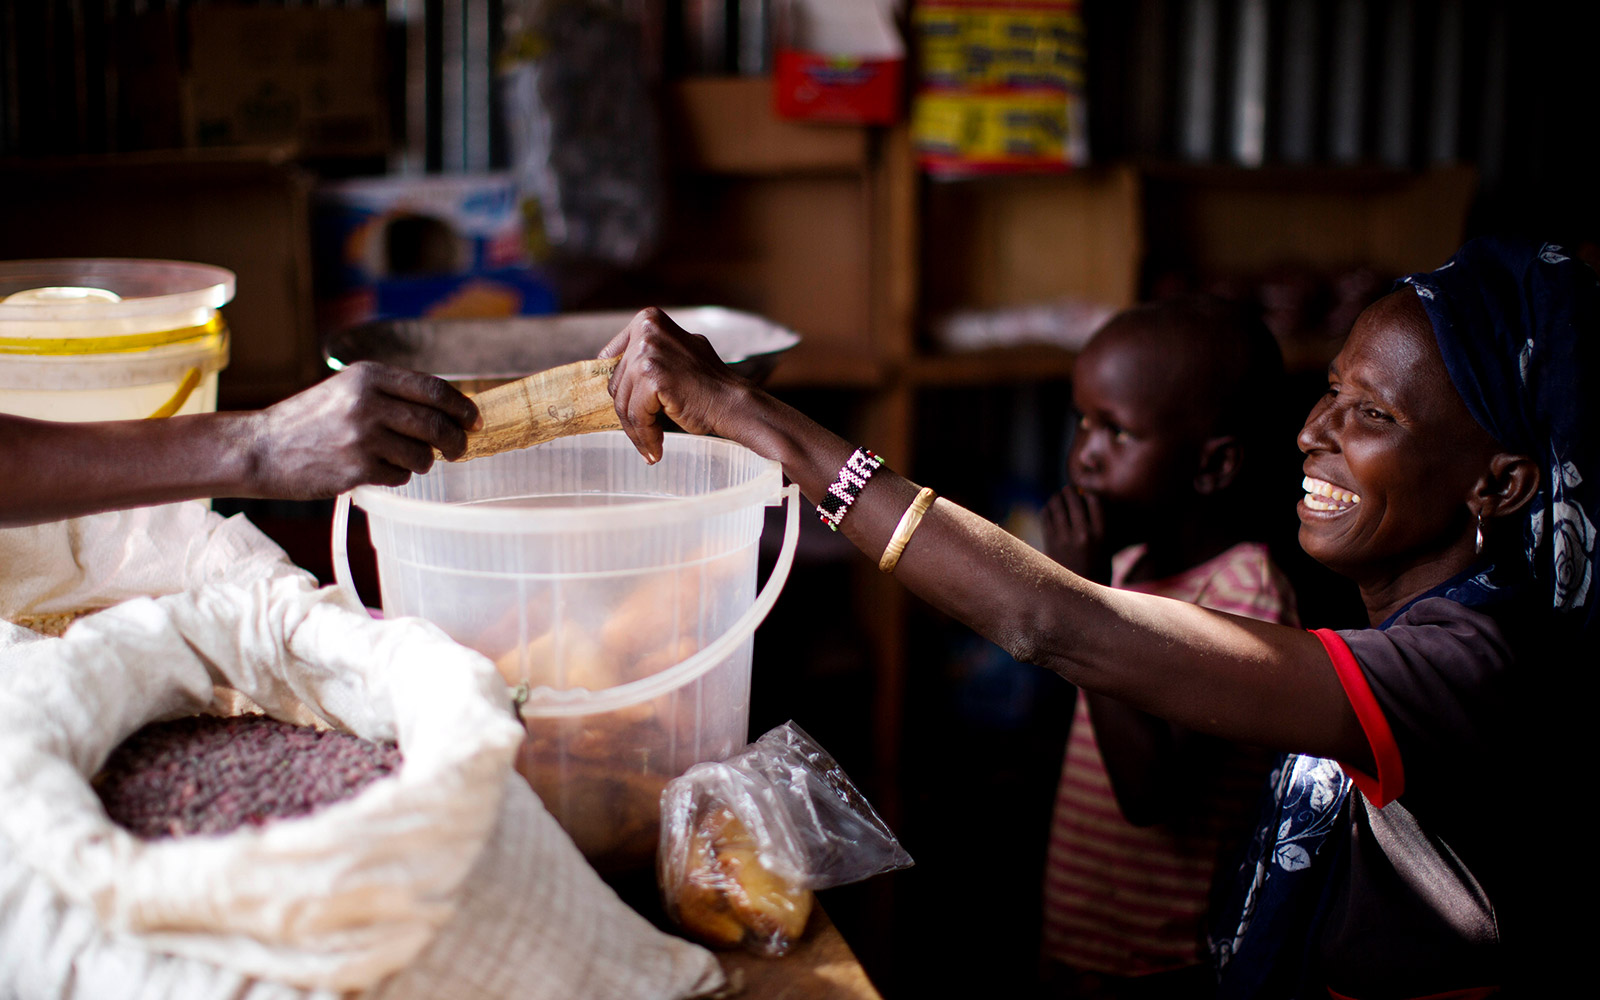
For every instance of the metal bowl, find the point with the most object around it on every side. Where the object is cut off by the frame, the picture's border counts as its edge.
(476, 354)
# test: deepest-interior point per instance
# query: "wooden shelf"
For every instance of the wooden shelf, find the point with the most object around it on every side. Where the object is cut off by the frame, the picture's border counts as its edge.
(725, 125)
(827, 366)
(1236, 221)
(1018, 240)
(813, 364)
(1025, 363)
(208, 161)
(1309, 178)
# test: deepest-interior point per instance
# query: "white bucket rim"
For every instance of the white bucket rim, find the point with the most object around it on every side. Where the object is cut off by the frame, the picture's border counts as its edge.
(761, 489)
(208, 287)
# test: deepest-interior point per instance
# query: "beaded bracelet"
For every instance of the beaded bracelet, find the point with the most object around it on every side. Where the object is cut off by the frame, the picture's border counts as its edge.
(853, 476)
(903, 531)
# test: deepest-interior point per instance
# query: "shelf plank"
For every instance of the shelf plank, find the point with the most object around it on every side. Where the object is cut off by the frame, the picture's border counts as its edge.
(1232, 221)
(726, 125)
(824, 364)
(1024, 363)
(1008, 241)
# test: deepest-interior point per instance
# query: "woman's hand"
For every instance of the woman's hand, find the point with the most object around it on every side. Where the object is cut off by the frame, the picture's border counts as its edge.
(1075, 534)
(370, 423)
(664, 370)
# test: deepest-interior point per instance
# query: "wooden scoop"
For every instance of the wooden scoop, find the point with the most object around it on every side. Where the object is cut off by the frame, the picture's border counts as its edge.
(571, 399)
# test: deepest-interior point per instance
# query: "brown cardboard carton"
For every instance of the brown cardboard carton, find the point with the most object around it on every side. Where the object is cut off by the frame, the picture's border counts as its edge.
(311, 76)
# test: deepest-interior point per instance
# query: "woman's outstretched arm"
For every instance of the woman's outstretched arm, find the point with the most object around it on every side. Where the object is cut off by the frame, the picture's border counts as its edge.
(1240, 679)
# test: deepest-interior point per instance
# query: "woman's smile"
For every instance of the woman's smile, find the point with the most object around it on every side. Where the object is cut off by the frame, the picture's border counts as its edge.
(1324, 497)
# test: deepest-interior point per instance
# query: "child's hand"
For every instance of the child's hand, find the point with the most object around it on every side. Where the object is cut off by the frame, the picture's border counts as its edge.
(1075, 534)
(371, 423)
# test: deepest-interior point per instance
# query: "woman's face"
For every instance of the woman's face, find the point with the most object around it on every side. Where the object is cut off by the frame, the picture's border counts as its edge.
(1391, 458)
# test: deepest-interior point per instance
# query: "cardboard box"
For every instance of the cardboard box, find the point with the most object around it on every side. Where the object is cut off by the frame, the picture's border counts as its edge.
(314, 76)
(433, 246)
(1001, 87)
(816, 87)
(839, 61)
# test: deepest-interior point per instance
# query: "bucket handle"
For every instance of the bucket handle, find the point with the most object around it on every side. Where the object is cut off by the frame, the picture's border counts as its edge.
(713, 652)
(341, 552)
(186, 387)
(717, 649)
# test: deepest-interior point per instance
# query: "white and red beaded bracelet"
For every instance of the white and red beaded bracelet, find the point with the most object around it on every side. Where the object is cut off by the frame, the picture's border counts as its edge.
(853, 476)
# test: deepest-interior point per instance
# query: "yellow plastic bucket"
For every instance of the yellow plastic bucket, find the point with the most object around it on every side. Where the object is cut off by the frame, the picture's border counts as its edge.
(111, 339)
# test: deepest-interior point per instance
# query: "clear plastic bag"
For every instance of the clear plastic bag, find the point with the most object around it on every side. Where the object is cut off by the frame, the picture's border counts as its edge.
(745, 841)
(583, 130)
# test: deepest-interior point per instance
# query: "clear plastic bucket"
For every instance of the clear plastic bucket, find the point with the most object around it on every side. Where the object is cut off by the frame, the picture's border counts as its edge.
(621, 597)
(111, 339)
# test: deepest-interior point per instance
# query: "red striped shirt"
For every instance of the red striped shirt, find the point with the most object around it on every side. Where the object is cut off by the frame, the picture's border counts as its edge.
(1128, 900)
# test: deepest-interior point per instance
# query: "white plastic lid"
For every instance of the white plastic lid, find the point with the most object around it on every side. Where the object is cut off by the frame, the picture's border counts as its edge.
(86, 297)
(62, 295)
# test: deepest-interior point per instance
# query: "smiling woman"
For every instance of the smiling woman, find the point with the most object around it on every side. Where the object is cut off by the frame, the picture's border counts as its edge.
(1392, 431)
(1459, 406)
(1426, 484)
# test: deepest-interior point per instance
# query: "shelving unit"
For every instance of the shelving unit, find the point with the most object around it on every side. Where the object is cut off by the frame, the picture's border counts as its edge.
(1232, 220)
(830, 230)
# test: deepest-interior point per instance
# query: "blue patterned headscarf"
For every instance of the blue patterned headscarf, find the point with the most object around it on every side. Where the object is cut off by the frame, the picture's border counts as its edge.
(1517, 324)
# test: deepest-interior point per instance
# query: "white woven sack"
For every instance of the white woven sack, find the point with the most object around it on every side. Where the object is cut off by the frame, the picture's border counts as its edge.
(425, 879)
(534, 923)
(103, 559)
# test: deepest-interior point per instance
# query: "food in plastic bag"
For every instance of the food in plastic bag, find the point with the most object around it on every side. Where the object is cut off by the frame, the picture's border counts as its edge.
(210, 774)
(727, 896)
(745, 841)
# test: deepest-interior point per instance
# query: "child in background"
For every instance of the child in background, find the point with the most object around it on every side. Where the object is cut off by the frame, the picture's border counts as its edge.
(1166, 472)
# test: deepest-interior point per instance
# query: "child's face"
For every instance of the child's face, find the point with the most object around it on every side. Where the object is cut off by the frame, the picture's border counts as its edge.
(1135, 445)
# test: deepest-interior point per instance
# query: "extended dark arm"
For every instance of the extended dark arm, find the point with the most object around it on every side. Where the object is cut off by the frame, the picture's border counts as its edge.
(1231, 677)
(368, 424)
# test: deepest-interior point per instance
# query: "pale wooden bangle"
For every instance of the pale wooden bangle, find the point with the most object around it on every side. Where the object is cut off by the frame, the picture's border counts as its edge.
(903, 531)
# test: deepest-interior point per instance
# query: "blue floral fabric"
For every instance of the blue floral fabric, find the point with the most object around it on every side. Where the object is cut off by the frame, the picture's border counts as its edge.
(1282, 881)
(1517, 323)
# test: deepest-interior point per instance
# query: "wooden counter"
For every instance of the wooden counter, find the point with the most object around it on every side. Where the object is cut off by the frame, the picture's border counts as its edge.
(821, 967)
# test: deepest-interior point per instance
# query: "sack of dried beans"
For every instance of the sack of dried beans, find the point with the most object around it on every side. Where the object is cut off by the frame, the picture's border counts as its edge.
(212, 774)
(364, 835)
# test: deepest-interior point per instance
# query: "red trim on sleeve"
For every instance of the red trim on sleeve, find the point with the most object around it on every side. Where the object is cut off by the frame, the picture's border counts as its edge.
(1391, 779)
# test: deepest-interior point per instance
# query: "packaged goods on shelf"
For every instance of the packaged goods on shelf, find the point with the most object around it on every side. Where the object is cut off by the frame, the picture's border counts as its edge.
(839, 61)
(1001, 87)
(438, 246)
